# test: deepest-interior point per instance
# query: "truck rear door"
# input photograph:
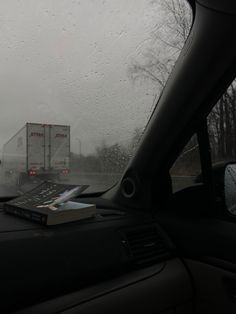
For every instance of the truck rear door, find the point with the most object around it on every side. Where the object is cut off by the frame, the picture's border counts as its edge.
(35, 146)
(60, 147)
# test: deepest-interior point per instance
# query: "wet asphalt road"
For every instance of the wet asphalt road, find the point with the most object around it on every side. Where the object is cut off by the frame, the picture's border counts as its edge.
(96, 182)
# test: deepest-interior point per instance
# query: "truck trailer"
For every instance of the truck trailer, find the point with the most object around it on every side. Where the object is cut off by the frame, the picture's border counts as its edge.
(37, 150)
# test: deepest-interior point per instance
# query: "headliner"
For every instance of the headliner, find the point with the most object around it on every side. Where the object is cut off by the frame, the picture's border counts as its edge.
(227, 6)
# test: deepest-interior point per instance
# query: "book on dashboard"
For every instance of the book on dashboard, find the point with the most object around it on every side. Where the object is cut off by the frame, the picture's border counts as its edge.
(50, 204)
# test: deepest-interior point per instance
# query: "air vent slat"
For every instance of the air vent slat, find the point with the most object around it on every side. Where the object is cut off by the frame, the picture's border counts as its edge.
(144, 239)
(146, 245)
(149, 254)
(148, 250)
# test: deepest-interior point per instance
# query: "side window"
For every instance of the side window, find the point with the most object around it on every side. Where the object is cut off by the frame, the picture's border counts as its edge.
(222, 127)
(187, 166)
(221, 124)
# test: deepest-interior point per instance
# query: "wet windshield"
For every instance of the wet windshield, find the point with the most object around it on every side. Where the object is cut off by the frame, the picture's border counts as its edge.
(79, 81)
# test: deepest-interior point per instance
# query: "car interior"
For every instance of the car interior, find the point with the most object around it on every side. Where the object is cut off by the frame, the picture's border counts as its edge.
(150, 249)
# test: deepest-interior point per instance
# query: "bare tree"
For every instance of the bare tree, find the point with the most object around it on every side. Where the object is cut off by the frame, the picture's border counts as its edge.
(166, 42)
(222, 126)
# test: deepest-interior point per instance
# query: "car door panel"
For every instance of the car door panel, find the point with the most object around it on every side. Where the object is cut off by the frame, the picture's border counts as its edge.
(160, 289)
(207, 245)
(215, 288)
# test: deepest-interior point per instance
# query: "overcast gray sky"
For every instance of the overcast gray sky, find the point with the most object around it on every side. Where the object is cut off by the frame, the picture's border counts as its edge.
(66, 62)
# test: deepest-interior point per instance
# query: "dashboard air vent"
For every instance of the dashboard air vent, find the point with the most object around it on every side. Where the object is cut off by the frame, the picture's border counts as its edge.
(145, 245)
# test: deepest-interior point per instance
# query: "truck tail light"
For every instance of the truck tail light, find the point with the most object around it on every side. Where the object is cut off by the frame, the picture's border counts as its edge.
(32, 173)
(65, 172)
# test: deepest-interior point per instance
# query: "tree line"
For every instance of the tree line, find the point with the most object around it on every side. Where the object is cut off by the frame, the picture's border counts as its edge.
(107, 158)
(222, 126)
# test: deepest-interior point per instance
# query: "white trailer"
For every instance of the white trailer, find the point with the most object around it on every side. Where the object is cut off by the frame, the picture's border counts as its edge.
(41, 150)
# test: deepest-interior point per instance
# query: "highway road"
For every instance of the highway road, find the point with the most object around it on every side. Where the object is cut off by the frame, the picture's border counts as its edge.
(96, 181)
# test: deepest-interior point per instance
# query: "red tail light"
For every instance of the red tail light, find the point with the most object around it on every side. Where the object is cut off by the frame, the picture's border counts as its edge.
(65, 172)
(32, 173)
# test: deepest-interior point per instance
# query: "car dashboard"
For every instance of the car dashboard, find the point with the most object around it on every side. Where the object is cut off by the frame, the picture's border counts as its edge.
(120, 261)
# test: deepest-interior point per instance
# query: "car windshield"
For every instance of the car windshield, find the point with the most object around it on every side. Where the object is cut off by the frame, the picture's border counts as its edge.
(79, 81)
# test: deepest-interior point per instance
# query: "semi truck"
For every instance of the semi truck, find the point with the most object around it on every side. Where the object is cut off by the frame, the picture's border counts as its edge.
(37, 151)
